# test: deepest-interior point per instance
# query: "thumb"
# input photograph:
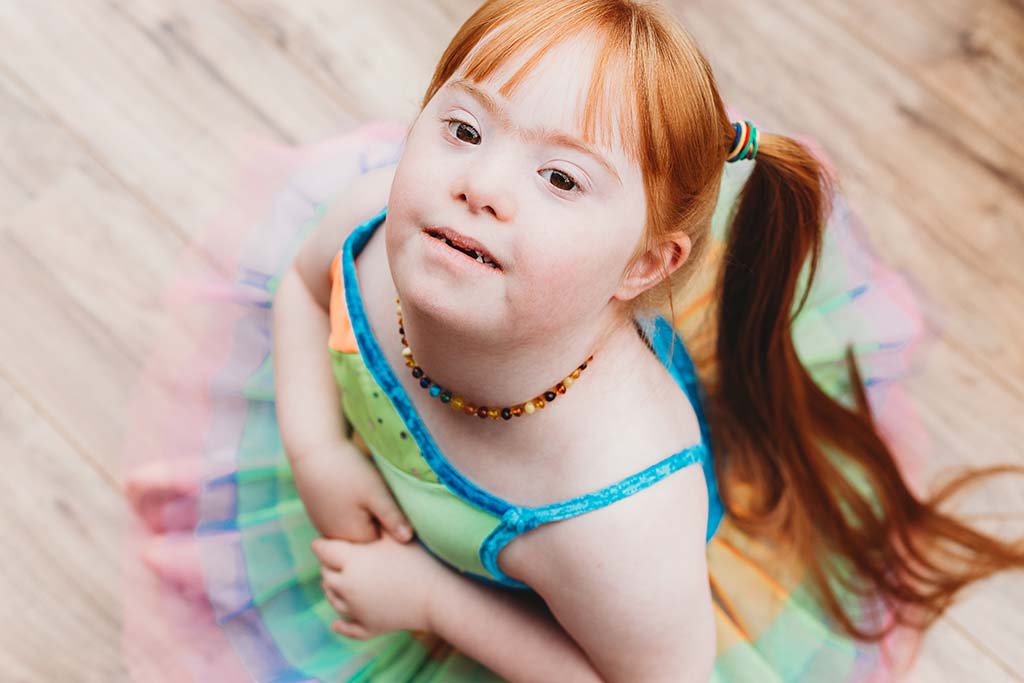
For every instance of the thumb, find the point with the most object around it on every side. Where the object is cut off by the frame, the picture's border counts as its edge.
(386, 510)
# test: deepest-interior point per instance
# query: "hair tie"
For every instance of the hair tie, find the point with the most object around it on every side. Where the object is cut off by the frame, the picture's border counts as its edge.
(744, 145)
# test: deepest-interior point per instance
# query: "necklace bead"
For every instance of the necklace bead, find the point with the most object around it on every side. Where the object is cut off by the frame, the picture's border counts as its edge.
(457, 403)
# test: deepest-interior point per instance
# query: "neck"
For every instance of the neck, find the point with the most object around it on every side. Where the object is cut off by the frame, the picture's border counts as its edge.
(495, 375)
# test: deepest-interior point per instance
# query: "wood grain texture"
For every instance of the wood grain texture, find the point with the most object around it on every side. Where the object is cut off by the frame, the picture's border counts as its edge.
(123, 127)
(970, 54)
(60, 547)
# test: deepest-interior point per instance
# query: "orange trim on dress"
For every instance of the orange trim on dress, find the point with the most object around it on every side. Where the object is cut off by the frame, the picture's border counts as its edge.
(342, 338)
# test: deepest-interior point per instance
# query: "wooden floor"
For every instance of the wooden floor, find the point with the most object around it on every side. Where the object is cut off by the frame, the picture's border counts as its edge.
(122, 123)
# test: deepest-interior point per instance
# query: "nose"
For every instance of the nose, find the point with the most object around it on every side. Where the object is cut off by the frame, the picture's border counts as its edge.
(485, 186)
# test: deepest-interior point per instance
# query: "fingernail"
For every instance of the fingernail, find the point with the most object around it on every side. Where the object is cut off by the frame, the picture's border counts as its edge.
(404, 532)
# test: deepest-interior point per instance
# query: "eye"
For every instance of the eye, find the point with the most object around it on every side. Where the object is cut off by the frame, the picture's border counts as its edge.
(562, 181)
(461, 130)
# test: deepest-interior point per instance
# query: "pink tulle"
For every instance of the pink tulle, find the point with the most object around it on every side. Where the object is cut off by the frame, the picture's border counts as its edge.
(169, 631)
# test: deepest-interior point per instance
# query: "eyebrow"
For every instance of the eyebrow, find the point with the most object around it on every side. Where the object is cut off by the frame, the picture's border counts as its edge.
(555, 137)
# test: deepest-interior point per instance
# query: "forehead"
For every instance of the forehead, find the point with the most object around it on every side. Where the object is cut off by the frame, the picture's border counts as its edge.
(554, 90)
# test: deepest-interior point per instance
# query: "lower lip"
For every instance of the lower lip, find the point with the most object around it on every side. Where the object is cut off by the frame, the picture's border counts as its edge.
(456, 257)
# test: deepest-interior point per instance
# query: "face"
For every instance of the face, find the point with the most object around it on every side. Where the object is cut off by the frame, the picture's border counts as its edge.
(560, 222)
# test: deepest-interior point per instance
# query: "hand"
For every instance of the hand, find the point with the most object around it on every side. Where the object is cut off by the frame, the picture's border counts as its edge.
(380, 586)
(346, 497)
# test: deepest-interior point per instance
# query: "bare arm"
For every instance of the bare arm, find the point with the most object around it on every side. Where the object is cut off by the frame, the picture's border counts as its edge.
(511, 634)
(308, 404)
(342, 491)
(627, 587)
(329, 472)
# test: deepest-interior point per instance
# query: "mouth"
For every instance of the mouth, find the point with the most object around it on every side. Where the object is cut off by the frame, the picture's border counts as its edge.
(467, 246)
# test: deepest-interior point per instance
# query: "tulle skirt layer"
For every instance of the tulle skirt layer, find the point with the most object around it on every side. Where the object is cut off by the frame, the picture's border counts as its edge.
(218, 562)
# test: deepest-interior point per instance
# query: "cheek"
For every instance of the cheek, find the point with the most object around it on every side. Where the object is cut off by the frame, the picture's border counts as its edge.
(422, 181)
(555, 288)
(409, 178)
(413, 189)
(418, 157)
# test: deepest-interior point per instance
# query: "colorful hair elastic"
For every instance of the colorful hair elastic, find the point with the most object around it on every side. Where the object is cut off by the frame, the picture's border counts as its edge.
(744, 145)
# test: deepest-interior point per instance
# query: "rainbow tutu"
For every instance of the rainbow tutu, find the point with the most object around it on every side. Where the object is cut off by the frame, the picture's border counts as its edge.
(236, 593)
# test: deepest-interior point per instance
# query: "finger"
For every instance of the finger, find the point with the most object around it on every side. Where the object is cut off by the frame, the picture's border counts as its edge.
(332, 580)
(361, 528)
(390, 516)
(330, 587)
(339, 605)
(331, 552)
(350, 629)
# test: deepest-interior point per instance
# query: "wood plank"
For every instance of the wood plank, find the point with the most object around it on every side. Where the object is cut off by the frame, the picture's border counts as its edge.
(948, 655)
(164, 96)
(988, 613)
(348, 48)
(88, 262)
(60, 545)
(948, 388)
(968, 53)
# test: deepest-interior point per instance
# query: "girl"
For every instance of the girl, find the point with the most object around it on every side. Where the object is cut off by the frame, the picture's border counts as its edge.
(504, 310)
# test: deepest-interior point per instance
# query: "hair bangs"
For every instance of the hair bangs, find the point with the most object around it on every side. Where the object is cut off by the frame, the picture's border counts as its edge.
(607, 118)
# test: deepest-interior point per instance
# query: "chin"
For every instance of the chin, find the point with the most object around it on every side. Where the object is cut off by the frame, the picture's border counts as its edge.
(441, 289)
(433, 295)
(444, 302)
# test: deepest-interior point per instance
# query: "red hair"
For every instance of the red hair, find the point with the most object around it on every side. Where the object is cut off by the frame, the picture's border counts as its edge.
(773, 428)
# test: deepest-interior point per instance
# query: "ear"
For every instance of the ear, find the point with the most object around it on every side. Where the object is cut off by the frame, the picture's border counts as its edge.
(654, 266)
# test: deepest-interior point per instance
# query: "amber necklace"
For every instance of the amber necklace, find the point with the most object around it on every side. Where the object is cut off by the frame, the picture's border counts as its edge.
(459, 404)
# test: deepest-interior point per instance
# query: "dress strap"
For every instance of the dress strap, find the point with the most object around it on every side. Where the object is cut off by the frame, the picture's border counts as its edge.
(620, 489)
(517, 520)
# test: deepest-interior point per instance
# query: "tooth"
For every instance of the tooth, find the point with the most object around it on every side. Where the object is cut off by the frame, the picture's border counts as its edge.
(479, 258)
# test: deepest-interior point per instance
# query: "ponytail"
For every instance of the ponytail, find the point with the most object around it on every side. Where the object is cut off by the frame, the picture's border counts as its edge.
(780, 440)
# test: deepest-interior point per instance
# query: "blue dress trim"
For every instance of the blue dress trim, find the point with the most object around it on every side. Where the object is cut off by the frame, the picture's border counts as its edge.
(517, 519)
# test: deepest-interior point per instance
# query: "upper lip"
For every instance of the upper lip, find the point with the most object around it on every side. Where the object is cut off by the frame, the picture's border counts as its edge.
(463, 241)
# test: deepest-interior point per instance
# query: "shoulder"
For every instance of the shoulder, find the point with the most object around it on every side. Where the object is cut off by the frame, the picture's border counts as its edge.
(633, 429)
(355, 203)
(629, 581)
